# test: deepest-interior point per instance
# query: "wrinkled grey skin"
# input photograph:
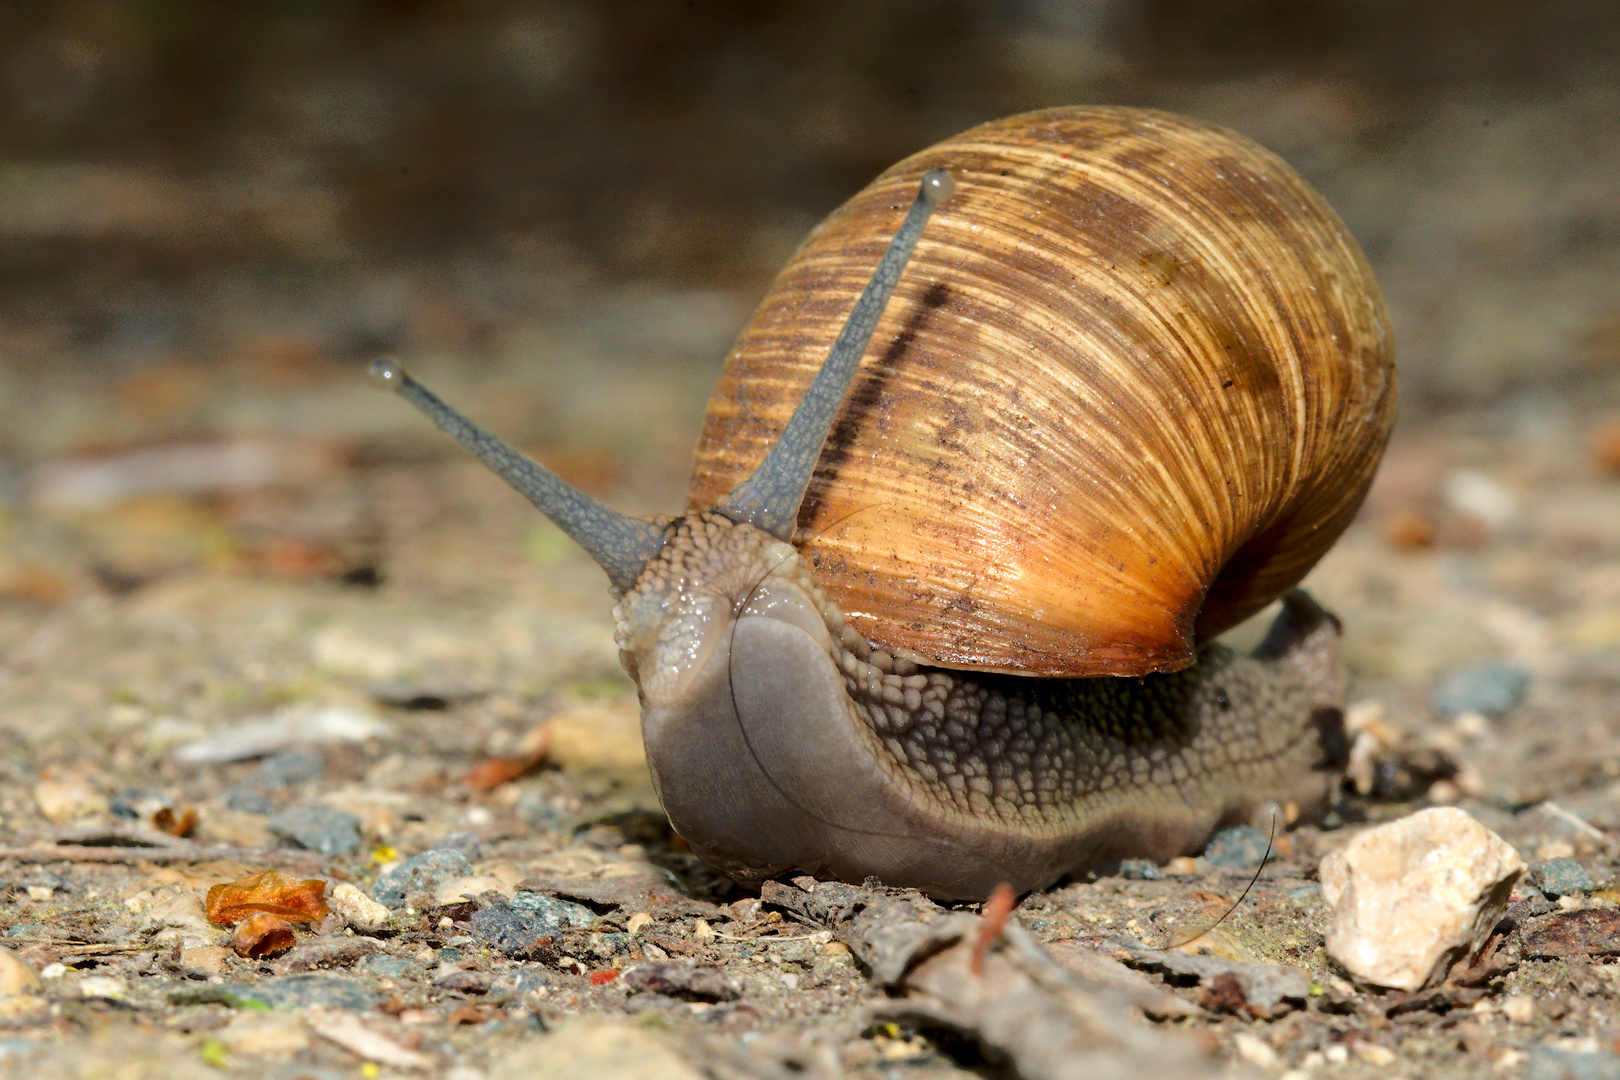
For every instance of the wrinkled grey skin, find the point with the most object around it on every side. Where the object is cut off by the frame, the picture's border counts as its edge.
(780, 740)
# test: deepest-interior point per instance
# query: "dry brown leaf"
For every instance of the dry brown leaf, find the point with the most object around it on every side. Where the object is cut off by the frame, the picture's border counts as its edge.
(273, 891)
(491, 773)
(262, 934)
(180, 823)
(1606, 446)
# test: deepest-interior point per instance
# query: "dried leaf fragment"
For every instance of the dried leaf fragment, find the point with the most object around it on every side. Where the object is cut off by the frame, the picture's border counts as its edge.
(275, 892)
(262, 934)
(533, 752)
(1589, 932)
(175, 823)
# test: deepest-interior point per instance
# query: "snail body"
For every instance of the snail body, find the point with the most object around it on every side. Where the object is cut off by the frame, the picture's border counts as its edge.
(1127, 387)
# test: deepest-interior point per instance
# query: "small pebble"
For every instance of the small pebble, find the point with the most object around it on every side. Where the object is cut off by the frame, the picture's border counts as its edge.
(1553, 1063)
(286, 768)
(596, 1048)
(16, 976)
(68, 799)
(1240, 848)
(1520, 1008)
(1255, 1050)
(357, 909)
(249, 800)
(1140, 870)
(420, 873)
(252, 1033)
(318, 828)
(354, 1035)
(305, 991)
(208, 959)
(1373, 1054)
(384, 966)
(1560, 877)
(1491, 688)
(1411, 897)
(103, 986)
(135, 804)
(459, 890)
(513, 926)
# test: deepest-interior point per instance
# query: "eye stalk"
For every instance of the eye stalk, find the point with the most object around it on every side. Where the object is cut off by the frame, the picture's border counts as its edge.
(770, 498)
(621, 545)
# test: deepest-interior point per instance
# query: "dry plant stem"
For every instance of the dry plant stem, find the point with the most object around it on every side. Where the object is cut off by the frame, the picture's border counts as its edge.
(993, 919)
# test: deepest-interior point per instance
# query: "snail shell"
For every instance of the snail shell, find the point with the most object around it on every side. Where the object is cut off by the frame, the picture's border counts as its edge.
(1134, 383)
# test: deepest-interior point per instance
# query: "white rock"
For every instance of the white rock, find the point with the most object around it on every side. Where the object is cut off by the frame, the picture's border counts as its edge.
(264, 1034)
(1255, 1050)
(103, 986)
(357, 909)
(180, 920)
(1520, 1008)
(595, 1050)
(16, 976)
(471, 888)
(294, 726)
(347, 1030)
(1412, 897)
(21, 992)
(68, 799)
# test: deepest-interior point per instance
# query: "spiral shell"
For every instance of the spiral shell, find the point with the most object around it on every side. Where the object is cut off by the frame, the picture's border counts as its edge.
(1134, 383)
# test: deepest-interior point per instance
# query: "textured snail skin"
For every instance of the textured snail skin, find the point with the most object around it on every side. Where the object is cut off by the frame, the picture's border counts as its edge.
(779, 739)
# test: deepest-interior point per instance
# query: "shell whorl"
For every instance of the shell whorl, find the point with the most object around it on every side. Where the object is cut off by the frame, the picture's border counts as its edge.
(1134, 383)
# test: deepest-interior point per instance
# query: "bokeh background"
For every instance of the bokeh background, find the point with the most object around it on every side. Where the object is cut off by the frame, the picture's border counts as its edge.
(212, 215)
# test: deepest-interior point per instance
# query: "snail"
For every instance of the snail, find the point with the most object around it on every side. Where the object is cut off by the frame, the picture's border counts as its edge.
(941, 609)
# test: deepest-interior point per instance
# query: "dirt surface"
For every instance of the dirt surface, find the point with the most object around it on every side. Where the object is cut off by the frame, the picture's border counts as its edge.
(247, 600)
(133, 671)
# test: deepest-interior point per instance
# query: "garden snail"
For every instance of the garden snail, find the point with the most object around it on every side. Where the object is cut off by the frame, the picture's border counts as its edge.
(1132, 384)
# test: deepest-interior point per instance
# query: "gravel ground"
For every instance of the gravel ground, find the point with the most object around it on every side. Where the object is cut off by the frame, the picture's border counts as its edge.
(332, 704)
(255, 617)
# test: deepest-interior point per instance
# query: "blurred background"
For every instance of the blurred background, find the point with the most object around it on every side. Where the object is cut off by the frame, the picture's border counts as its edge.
(560, 212)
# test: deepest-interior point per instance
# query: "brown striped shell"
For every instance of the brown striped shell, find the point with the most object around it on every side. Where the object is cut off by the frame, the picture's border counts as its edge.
(1134, 383)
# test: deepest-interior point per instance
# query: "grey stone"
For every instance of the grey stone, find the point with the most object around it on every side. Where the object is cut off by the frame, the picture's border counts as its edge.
(1549, 1063)
(1140, 869)
(521, 980)
(384, 966)
(1560, 877)
(465, 842)
(302, 992)
(1240, 848)
(1492, 688)
(422, 873)
(16, 1050)
(249, 800)
(318, 828)
(289, 767)
(678, 979)
(1268, 989)
(514, 926)
(130, 804)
